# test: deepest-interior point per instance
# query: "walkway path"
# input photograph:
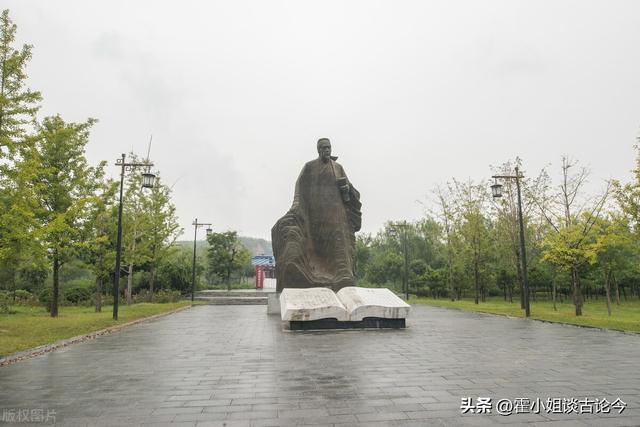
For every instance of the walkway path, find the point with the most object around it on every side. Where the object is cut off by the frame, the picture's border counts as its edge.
(234, 366)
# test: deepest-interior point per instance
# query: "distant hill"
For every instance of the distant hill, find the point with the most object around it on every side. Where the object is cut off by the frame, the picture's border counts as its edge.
(254, 245)
(257, 246)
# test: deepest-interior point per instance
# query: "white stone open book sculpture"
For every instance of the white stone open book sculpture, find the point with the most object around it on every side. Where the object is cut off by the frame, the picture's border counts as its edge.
(348, 304)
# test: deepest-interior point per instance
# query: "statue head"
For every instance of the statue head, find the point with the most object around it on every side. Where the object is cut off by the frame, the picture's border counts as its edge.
(324, 149)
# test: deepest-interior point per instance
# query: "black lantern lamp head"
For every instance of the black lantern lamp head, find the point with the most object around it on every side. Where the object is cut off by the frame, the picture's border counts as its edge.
(496, 189)
(148, 180)
(209, 231)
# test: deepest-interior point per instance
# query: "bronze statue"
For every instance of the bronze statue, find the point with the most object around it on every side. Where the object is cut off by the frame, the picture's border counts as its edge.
(314, 243)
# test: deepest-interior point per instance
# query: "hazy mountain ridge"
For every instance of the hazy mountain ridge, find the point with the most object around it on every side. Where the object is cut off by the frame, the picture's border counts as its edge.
(255, 245)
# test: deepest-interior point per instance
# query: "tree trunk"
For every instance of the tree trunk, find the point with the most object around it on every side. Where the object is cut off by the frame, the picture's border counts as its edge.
(553, 292)
(152, 279)
(450, 283)
(615, 283)
(56, 285)
(577, 291)
(98, 294)
(129, 283)
(607, 285)
(14, 281)
(476, 275)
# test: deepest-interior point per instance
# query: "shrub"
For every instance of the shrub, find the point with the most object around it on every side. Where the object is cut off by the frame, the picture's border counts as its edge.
(44, 296)
(167, 296)
(5, 302)
(24, 297)
(423, 292)
(78, 294)
(161, 296)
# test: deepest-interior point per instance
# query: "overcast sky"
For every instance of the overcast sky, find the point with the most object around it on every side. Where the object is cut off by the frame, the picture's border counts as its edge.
(411, 93)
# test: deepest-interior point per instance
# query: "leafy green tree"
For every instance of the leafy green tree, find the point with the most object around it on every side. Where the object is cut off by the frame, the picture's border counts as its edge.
(98, 240)
(627, 196)
(506, 223)
(474, 228)
(611, 249)
(18, 104)
(175, 271)
(363, 253)
(65, 189)
(571, 222)
(136, 250)
(161, 226)
(385, 267)
(226, 255)
(446, 216)
(19, 228)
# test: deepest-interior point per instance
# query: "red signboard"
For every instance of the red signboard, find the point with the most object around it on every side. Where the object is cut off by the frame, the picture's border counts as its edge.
(259, 276)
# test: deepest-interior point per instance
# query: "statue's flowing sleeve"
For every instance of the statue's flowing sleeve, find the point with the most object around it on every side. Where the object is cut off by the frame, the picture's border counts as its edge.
(353, 206)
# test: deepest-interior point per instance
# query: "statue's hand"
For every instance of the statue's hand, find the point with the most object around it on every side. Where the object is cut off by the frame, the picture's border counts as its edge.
(344, 190)
(344, 187)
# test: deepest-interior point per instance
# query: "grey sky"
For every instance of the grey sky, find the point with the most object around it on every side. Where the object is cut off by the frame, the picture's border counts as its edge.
(236, 93)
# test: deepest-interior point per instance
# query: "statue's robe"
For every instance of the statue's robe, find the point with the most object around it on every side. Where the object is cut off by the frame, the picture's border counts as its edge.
(314, 242)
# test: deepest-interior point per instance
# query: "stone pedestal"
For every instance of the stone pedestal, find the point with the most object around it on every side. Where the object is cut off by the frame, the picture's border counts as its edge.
(273, 303)
(349, 308)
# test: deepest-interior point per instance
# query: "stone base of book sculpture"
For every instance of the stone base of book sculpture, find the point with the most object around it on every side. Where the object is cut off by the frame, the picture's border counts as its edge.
(349, 308)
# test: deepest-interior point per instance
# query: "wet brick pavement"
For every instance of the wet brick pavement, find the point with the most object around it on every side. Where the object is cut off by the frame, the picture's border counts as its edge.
(235, 366)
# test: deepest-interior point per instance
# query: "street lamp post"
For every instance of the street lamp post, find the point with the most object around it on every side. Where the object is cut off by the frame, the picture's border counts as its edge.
(496, 189)
(196, 224)
(147, 182)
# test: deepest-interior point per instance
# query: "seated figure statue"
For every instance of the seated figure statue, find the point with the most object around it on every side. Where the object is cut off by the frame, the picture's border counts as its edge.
(314, 242)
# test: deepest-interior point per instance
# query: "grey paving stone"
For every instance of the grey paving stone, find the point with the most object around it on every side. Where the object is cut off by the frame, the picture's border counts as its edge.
(235, 366)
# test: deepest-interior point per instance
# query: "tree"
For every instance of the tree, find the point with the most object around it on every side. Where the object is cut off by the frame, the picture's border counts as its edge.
(160, 227)
(175, 271)
(446, 217)
(571, 220)
(135, 247)
(226, 254)
(611, 250)
(65, 188)
(506, 221)
(18, 104)
(385, 266)
(19, 229)
(98, 241)
(473, 226)
(363, 253)
(628, 196)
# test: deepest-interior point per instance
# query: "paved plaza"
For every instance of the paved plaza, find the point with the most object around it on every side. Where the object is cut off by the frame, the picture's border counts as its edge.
(235, 366)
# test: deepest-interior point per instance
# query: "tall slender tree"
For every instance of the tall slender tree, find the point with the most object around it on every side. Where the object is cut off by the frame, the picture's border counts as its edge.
(18, 104)
(226, 254)
(65, 187)
(161, 227)
(571, 218)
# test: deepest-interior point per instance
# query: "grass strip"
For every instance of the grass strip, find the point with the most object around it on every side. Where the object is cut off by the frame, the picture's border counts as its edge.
(31, 327)
(624, 317)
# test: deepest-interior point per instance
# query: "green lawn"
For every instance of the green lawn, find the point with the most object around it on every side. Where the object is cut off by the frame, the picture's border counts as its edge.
(223, 287)
(32, 326)
(625, 317)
